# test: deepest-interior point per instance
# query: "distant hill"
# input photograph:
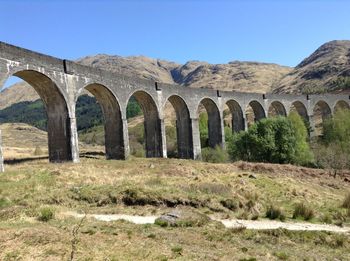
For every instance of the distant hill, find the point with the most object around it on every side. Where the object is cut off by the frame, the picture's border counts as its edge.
(326, 70)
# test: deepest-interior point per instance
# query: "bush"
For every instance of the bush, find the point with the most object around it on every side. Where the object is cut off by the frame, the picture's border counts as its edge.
(269, 140)
(46, 214)
(216, 155)
(275, 140)
(303, 211)
(229, 204)
(273, 212)
(303, 154)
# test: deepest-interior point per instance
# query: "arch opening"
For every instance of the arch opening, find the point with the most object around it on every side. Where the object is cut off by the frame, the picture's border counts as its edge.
(321, 112)
(178, 128)
(341, 105)
(50, 114)
(148, 134)
(254, 113)
(276, 108)
(299, 108)
(209, 123)
(233, 116)
(102, 110)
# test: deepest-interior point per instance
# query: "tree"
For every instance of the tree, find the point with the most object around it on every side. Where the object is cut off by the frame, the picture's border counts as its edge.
(303, 154)
(269, 140)
(275, 140)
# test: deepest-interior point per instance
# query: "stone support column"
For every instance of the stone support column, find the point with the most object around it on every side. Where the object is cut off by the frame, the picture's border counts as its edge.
(197, 155)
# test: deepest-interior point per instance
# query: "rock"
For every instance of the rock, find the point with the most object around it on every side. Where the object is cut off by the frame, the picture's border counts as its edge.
(252, 176)
(182, 217)
(151, 166)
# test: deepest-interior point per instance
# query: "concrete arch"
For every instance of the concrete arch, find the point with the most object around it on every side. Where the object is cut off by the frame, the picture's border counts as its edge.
(237, 115)
(257, 110)
(321, 112)
(113, 124)
(276, 108)
(183, 127)
(299, 108)
(214, 122)
(152, 124)
(57, 111)
(341, 105)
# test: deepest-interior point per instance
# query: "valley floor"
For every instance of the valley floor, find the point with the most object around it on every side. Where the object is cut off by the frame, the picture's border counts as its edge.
(152, 187)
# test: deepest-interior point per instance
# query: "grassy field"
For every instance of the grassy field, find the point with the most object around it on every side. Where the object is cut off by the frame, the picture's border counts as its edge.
(156, 186)
(35, 197)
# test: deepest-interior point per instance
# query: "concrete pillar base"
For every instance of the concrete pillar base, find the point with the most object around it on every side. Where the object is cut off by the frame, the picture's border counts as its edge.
(196, 155)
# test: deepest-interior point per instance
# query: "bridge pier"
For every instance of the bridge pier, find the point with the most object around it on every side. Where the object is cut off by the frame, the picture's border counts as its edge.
(74, 142)
(196, 142)
(163, 148)
(126, 138)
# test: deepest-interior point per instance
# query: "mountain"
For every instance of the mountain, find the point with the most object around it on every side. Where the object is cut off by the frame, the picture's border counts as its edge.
(19, 92)
(326, 70)
(239, 76)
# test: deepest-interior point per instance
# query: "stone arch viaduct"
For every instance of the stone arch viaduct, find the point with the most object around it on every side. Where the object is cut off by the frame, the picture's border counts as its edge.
(60, 82)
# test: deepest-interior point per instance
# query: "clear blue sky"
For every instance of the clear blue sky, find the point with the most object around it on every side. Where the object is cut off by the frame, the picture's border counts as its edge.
(282, 32)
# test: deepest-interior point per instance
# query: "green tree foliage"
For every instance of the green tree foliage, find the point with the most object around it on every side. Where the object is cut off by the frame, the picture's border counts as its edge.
(272, 140)
(303, 154)
(333, 150)
(133, 109)
(203, 129)
(337, 130)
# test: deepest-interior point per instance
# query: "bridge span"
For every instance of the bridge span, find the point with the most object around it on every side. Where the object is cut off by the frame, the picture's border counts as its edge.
(60, 82)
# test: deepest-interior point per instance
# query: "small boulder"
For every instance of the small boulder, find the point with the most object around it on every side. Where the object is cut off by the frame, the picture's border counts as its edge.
(182, 217)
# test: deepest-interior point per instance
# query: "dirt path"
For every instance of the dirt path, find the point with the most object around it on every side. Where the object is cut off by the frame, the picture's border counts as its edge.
(229, 223)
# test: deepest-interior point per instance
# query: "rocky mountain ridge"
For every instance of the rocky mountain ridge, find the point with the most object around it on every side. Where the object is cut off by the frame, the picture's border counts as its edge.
(326, 70)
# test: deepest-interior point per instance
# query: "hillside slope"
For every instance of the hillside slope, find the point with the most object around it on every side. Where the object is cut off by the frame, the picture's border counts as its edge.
(326, 70)
(239, 76)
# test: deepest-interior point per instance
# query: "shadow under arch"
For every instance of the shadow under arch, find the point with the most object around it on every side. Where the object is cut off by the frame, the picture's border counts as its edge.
(299, 107)
(56, 109)
(214, 122)
(276, 108)
(237, 115)
(113, 124)
(341, 105)
(152, 124)
(321, 112)
(254, 112)
(183, 127)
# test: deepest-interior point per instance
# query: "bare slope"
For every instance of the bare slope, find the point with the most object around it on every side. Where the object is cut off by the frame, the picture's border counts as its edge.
(326, 70)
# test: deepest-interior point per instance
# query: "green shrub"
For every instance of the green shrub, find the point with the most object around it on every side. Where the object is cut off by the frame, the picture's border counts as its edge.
(177, 249)
(273, 212)
(303, 154)
(281, 255)
(229, 204)
(46, 214)
(326, 218)
(303, 211)
(275, 140)
(216, 155)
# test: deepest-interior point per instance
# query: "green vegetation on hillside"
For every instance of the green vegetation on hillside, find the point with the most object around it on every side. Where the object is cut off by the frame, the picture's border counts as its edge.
(88, 113)
(275, 140)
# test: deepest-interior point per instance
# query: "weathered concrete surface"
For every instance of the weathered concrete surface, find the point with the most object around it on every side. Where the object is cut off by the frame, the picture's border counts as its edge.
(60, 82)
